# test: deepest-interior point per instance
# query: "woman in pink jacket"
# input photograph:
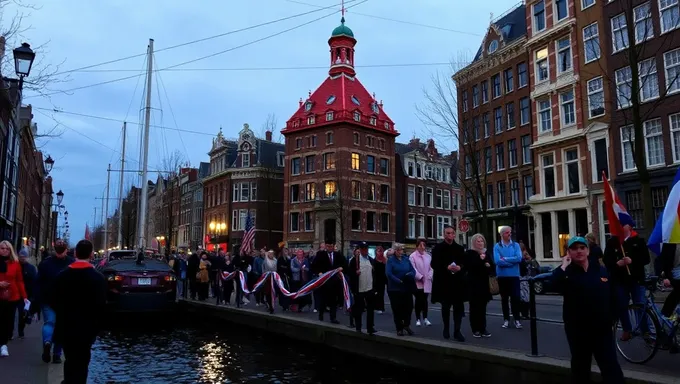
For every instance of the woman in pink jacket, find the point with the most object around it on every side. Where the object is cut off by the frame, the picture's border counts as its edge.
(420, 260)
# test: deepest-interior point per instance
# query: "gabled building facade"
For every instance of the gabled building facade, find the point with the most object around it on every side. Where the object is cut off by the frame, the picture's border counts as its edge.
(495, 134)
(339, 183)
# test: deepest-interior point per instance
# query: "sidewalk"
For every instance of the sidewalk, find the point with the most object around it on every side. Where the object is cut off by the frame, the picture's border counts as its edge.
(24, 365)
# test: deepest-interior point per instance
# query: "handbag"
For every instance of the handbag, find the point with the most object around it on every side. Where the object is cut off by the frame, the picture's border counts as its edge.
(5, 294)
(493, 286)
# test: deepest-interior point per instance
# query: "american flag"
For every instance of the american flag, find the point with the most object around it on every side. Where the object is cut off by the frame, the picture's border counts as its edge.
(248, 236)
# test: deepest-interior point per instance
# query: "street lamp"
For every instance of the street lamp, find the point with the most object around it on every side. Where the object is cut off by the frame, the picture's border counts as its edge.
(23, 60)
(49, 163)
(60, 197)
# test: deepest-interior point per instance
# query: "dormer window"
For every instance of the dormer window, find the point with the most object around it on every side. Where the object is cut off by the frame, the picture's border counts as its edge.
(310, 120)
(329, 116)
(493, 46)
(296, 123)
(374, 107)
(387, 125)
(357, 116)
(308, 106)
(245, 160)
(373, 120)
(355, 100)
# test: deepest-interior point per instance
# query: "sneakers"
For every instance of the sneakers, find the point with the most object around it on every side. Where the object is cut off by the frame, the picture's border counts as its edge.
(486, 334)
(505, 324)
(3, 351)
(418, 323)
(427, 322)
(518, 325)
(476, 334)
(47, 350)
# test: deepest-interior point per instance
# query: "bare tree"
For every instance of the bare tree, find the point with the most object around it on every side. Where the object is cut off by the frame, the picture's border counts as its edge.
(335, 197)
(439, 113)
(271, 124)
(170, 197)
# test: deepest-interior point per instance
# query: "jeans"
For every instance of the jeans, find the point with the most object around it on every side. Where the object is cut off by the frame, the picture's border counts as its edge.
(509, 290)
(636, 292)
(49, 317)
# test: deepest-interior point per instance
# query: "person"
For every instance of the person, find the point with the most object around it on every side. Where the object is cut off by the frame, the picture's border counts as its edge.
(401, 285)
(270, 264)
(448, 282)
(300, 275)
(203, 277)
(361, 272)
(48, 270)
(589, 309)
(327, 260)
(79, 301)
(29, 273)
(507, 256)
(421, 261)
(283, 269)
(670, 265)
(381, 280)
(595, 251)
(480, 268)
(12, 292)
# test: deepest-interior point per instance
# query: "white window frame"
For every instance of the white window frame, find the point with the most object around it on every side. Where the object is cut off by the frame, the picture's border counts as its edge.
(674, 124)
(565, 173)
(558, 51)
(524, 162)
(542, 174)
(533, 17)
(293, 215)
(590, 38)
(623, 78)
(595, 92)
(622, 32)
(593, 154)
(627, 138)
(555, 11)
(245, 160)
(648, 78)
(643, 19)
(540, 111)
(411, 191)
(671, 66)
(411, 226)
(564, 105)
(536, 65)
(587, 4)
(668, 7)
(658, 134)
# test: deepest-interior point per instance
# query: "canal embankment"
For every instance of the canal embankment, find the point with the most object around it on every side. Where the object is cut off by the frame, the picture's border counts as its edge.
(460, 361)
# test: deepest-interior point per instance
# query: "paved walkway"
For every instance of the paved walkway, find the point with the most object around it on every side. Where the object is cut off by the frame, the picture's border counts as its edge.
(24, 365)
(551, 338)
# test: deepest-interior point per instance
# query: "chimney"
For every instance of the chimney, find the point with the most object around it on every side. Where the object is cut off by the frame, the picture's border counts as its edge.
(414, 143)
(268, 135)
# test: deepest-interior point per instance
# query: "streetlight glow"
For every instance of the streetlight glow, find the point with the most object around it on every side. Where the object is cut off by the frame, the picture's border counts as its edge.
(212, 226)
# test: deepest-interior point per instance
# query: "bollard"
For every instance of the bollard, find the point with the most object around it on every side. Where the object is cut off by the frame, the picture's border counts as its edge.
(533, 326)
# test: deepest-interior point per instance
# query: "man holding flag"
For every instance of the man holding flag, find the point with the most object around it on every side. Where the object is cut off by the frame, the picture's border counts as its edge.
(625, 257)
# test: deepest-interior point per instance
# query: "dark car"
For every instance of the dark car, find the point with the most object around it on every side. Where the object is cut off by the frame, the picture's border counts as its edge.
(543, 283)
(146, 286)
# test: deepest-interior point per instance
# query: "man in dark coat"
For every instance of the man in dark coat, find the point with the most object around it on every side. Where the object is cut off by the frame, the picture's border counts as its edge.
(192, 269)
(448, 282)
(327, 260)
(361, 273)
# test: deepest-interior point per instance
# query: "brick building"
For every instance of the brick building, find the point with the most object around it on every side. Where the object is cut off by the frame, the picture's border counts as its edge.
(495, 130)
(186, 180)
(427, 196)
(655, 28)
(246, 177)
(339, 184)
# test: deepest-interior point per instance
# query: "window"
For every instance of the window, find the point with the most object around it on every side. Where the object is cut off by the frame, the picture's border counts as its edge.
(438, 199)
(357, 116)
(572, 170)
(442, 222)
(429, 202)
(329, 116)
(329, 161)
(370, 221)
(329, 138)
(567, 109)
(373, 120)
(384, 167)
(524, 111)
(595, 97)
(489, 196)
(496, 80)
(475, 96)
(508, 80)
(510, 113)
(245, 160)
(587, 3)
(355, 187)
(514, 192)
(500, 157)
(591, 42)
(412, 194)
(498, 119)
(541, 60)
(294, 193)
(309, 164)
(512, 153)
(370, 164)
(619, 32)
(675, 136)
(430, 227)
(465, 101)
(295, 166)
(310, 191)
(384, 222)
(329, 189)
(642, 15)
(670, 14)
(409, 168)
(355, 136)
(488, 161)
(313, 140)
(355, 161)
(561, 10)
(487, 124)
(601, 158)
(548, 165)
(384, 193)
(370, 192)
(485, 91)
(501, 194)
(446, 203)
(539, 16)
(654, 142)
(563, 55)
(528, 187)
(526, 149)
(522, 75)
(475, 128)
(627, 138)
(412, 226)
(356, 220)
(624, 78)
(649, 81)
(419, 196)
(311, 120)
(309, 222)
(544, 116)
(671, 64)
(295, 221)
(298, 143)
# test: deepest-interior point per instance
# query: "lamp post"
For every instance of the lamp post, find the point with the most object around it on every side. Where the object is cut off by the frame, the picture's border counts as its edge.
(49, 164)
(159, 239)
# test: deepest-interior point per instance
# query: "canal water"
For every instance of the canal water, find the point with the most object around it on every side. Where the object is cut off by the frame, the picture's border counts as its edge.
(188, 352)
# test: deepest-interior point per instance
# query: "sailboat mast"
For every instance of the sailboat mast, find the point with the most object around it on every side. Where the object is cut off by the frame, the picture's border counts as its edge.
(120, 190)
(141, 227)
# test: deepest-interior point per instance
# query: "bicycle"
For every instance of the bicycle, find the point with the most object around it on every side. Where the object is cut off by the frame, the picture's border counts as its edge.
(657, 331)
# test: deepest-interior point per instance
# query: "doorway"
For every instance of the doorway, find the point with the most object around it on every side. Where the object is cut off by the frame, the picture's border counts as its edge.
(329, 226)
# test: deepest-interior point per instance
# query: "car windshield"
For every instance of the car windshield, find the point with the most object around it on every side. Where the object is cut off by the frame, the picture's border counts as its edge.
(118, 255)
(149, 265)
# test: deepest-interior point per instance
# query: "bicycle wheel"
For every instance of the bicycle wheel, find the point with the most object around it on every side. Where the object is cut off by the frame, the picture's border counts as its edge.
(644, 339)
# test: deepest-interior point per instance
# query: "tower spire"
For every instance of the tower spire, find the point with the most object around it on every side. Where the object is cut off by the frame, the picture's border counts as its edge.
(342, 10)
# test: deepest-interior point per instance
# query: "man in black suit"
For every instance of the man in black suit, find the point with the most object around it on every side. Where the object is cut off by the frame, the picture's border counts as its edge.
(326, 260)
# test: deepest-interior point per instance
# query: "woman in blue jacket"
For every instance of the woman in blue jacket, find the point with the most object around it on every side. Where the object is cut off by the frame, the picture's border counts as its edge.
(507, 257)
(401, 285)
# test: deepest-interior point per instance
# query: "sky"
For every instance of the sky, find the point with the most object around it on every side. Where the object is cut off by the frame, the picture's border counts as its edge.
(235, 85)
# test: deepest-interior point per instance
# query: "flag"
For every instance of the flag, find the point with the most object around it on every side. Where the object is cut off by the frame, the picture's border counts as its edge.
(667, 228)
(87, 232)
(616, 212)
(248, 235)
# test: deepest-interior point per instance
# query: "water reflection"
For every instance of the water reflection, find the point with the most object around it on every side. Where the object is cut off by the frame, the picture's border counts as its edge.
(207, 354)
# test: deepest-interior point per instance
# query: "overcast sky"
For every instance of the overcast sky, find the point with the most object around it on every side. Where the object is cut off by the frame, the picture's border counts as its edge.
(202, 99)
